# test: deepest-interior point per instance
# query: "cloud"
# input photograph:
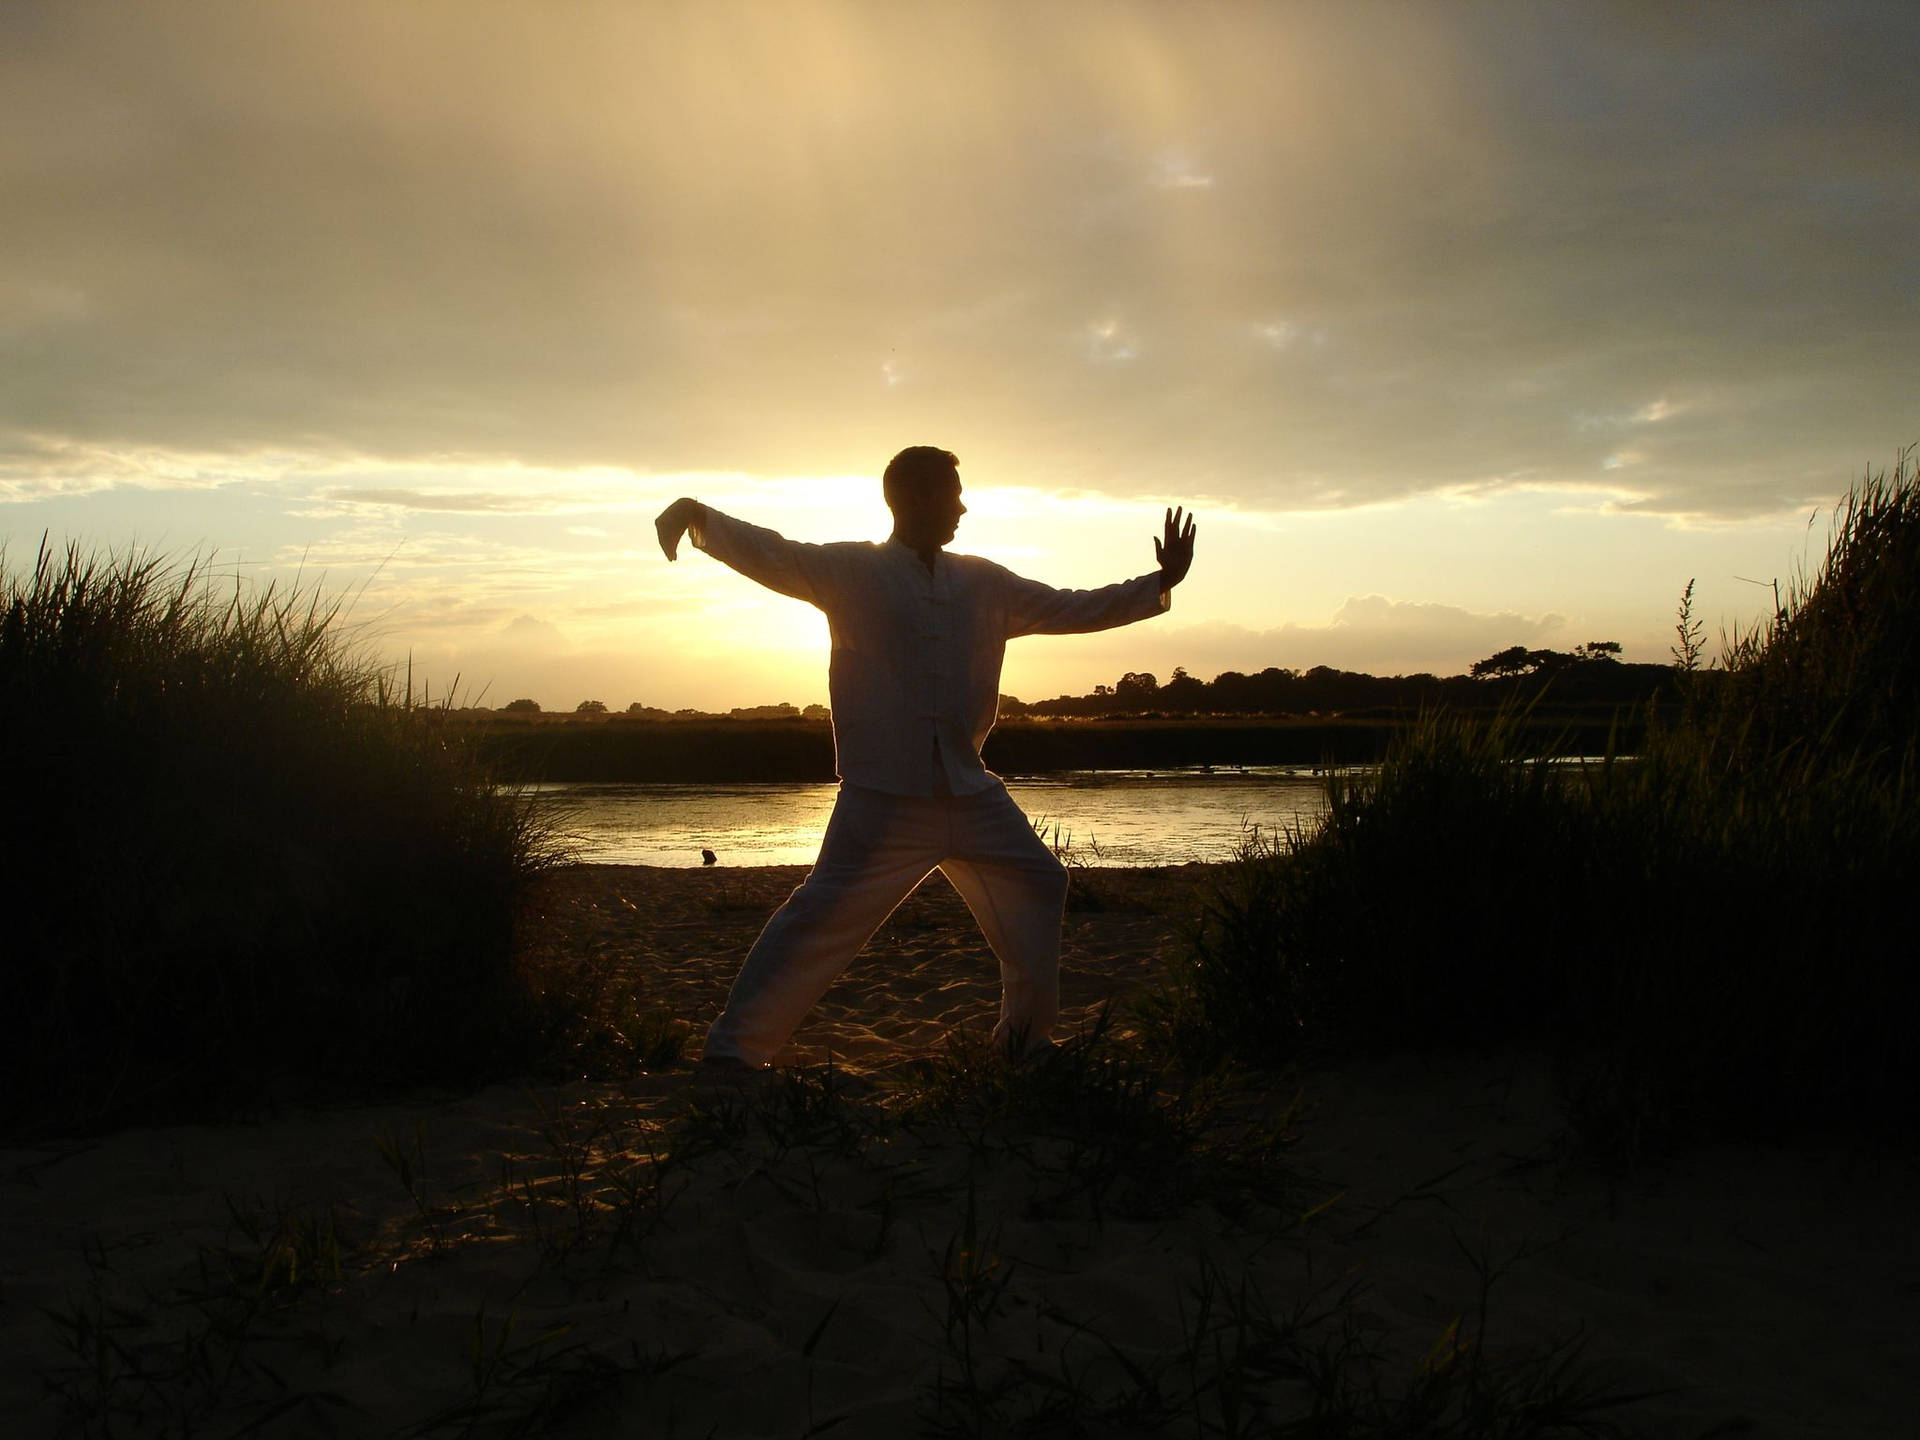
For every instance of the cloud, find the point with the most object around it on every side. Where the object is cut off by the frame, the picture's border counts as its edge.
(1108, 343)
(529, 632)
(1284, 334)
(38, 466)
(478, 503)
(1177, 172)
(664, 241)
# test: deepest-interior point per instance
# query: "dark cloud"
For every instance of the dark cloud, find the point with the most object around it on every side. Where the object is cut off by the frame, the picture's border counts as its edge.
(1295, 255)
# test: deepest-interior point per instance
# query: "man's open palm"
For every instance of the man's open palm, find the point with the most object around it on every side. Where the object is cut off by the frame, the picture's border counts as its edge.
(1175, 552)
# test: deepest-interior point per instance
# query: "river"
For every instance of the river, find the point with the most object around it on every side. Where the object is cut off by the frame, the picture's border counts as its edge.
(1103, 817)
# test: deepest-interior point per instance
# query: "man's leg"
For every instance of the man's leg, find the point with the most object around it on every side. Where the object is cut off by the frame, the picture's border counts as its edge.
(877, 848)
(1017, 890)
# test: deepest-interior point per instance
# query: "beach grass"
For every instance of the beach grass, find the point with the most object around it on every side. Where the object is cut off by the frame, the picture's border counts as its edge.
(1705, 936)
(946, 1197)
(242, 861)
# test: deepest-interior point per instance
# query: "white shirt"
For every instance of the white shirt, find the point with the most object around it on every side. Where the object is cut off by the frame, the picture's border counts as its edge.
(915, 672)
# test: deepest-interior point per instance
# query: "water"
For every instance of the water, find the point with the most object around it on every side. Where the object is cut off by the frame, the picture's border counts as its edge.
(1109, 817)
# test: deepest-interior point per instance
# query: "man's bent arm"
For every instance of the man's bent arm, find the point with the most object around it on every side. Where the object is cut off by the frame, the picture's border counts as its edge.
(788, 566)
(1036, 609)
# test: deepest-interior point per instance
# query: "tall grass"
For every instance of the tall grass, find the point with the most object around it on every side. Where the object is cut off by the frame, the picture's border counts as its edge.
(238, 858)
(1706, 936)
(1837, 668)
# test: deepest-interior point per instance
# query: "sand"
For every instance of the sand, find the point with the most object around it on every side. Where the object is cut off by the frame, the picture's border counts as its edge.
(804, 1274)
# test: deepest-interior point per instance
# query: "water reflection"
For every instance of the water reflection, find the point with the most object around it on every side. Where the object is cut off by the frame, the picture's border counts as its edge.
(1109, 817)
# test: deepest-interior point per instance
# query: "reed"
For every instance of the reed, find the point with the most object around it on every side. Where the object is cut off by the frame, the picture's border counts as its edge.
(1705, 936)
(241, 860)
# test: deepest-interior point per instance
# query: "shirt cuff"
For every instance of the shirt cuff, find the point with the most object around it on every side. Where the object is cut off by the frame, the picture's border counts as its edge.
(699, 530)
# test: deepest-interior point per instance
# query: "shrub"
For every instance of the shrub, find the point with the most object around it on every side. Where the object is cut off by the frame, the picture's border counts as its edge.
(1424, 907)
(238, 860)
(1705, 936)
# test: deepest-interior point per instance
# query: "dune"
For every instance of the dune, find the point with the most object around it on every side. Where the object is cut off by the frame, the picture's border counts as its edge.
(674, 1255)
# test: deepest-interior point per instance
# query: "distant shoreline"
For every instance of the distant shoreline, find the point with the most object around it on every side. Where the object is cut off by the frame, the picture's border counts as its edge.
(720, 751)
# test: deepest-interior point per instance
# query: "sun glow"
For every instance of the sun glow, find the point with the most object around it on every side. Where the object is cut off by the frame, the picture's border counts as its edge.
(449, 309)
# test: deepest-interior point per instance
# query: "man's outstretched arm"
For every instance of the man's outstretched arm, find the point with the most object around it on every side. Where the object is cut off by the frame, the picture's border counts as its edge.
(803, 571)
(1036, 609)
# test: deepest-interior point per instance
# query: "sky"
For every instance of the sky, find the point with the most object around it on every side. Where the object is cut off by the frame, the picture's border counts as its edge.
(1459, 327)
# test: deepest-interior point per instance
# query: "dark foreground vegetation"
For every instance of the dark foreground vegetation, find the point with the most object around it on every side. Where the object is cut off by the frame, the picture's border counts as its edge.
(236, 863)
(976, 1222)
(1712, 939)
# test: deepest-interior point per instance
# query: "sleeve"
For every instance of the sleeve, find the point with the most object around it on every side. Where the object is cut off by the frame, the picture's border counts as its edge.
(791, 567)
(1036, 609)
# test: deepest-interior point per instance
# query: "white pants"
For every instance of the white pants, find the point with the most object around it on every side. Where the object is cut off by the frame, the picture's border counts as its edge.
(877, 848)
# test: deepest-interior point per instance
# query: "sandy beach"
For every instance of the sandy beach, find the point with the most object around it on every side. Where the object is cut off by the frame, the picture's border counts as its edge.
(667, 1256)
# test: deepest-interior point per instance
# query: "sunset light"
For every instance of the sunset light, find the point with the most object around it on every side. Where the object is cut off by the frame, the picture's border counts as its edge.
(959, 717)
(1461, 327)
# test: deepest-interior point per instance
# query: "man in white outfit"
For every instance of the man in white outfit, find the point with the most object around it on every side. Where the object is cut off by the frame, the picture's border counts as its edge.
(918, 637)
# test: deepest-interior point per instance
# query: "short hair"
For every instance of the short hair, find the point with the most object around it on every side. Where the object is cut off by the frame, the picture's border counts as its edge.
(915, 464)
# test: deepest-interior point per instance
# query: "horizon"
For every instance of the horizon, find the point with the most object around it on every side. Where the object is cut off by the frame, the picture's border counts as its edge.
(1456, 329)
(806, 709)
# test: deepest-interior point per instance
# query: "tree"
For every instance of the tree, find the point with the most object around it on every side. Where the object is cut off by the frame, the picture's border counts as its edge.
(1598, 650)
(590, 707)
(521, 707)
(1136, 690)
(1183, 692)
(1515, 660)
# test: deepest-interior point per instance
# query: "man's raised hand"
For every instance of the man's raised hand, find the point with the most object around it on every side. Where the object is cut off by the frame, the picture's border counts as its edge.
(1175, 552)
(671, 523)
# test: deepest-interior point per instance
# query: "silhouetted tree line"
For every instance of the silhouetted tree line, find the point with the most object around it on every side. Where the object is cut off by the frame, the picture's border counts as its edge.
(1590, 674)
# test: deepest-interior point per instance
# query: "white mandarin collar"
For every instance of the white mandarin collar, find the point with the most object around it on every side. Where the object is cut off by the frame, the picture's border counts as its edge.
(901, 551)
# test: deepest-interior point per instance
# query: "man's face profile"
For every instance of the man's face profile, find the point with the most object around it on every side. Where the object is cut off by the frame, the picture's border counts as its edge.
(927, 510)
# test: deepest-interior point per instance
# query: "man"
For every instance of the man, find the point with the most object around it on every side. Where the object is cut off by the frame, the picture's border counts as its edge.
(918, 637)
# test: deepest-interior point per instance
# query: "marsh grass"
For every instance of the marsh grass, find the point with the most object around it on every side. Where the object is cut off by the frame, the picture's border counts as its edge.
(1102, 1126)
(1103, 1133)
(1241, 1363)
(972, 1200)
(207, 1354)
(600, 1026)
(1456, 946)
(1089, 889)
(240, 860)
(1705, 936)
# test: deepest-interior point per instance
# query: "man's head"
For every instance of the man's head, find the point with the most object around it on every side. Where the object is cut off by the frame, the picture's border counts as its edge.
(922, 486)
